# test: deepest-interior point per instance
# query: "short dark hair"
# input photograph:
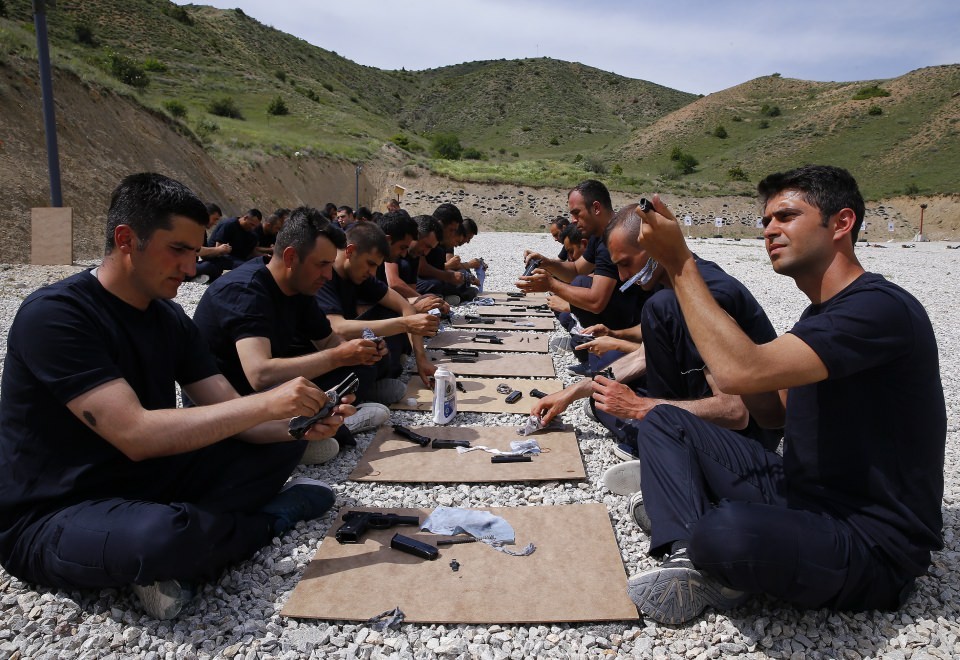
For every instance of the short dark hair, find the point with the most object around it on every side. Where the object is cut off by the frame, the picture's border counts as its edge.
(626, 220)
(397, 225)
(368, 237)
(426, 225)
(561, 222)
(213, 208)
(593, 191)
(363, 213)
(255, 213)
(571, 233)
(470, 226)
(346, 209)
(831, 189)
(276, 216)
(147, 202)
(302, 229)
(447, 213)
(330, 210)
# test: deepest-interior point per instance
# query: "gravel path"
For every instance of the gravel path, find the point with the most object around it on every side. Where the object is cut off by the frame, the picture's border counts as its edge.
(238, 615)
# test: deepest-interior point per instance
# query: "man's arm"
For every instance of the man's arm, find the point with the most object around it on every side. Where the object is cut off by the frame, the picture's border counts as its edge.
(562, 270)
(419, 325)
(395, 282)
(738, 365)
(429, 272)
(263, 370)
(594, 299)
(113, 411)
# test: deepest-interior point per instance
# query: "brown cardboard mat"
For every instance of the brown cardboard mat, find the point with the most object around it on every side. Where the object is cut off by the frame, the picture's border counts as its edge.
(392, 459)
(575, 574)
(511, 310)
(479, 395)
(534, 323)
(509, 342)
(531, 365)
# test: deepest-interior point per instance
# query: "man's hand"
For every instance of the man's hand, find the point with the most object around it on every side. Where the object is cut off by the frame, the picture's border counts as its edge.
(425, 325)
(557, 304)
(361, 351)
(601, 345)
(295, 397)
(222, 249)
(662, 238)
(619, 400)
(457, 277)
(599, 330)
(426, 370)
(550, 406)
(426, 302)
(539, 281)
(530, 254)
(327, 426)
(454, 263)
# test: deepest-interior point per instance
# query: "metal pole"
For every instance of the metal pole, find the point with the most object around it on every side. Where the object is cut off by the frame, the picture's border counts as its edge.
(922, 207)
(46, 87)
(357, 205)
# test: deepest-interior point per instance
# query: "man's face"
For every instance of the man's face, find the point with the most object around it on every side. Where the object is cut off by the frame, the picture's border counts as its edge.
(586, 217)
(214, 219)
(309, 275)
(361, 266)
(249, 222)
(344, 218)
(574, 250)
(423, 245)
(795, 238)
(451, 234)
(630, 258)
(555, 231)
(400, 248)
(393, 205)
(169, 257)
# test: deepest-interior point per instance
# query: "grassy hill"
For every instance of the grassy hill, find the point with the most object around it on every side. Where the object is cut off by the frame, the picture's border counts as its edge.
(531, 122)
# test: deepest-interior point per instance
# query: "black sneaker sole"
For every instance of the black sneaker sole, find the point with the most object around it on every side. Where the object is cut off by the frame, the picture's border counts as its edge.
(675, 595)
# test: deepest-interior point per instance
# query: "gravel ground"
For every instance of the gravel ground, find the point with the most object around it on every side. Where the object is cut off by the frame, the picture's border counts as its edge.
(238, 616)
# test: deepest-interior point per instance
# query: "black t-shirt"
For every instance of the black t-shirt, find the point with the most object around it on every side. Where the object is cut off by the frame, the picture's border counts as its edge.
(241, 241)
(67, 339)
(264, 239)
(437, 257)
(562, 255)
(246, 302)
(866, 445)
(598, 254)
(407, 268)
(340, 296)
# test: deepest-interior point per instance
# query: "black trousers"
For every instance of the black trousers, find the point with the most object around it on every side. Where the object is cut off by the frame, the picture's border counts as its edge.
(724, 496)
(185, 517)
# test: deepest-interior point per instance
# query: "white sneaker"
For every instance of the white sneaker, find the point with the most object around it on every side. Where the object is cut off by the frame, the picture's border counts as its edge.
(560, 344)
(202, 278)
(369, 416)
(623, 479)
(639, 512)
(163, 600)
(320, 451)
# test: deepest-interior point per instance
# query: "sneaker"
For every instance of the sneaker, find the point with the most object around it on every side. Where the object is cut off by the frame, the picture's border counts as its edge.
(579, 369)
(451, 300)
(299, 499)
(588, 409)
(320, 451)
(164, 600)
(675, 592)
(368, 417)
(388, 390)
(639, 512)
(560, 344)
(623, 479)
(624, 452)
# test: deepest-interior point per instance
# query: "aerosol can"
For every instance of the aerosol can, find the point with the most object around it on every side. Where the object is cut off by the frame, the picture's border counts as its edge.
(444, 396)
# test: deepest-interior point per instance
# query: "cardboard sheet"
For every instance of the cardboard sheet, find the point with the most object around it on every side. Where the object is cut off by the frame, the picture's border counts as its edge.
(480, 395)
(391, 459)
(535, 323)
(511, 311)
(531, 365)
(511, 342)
(574, 575)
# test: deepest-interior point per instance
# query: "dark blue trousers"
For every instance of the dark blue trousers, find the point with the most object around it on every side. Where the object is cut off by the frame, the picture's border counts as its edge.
(185, 517)
(724, 496)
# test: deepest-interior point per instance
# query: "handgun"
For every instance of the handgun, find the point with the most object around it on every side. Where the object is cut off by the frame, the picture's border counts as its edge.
(537, 394)
(532, 265)
(356, 523)
(439, 443)
(514, 396)
(301, 424)
(460, 351)
(411, 436)
(478, 320)
(481, 338)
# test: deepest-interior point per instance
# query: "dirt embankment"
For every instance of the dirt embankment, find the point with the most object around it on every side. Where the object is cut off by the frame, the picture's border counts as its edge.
(102, 137)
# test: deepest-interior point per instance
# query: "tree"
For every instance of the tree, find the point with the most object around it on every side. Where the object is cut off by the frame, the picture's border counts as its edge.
(446, 145)
(278, 107)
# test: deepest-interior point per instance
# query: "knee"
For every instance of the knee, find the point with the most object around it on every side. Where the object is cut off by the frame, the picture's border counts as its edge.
(727, 534)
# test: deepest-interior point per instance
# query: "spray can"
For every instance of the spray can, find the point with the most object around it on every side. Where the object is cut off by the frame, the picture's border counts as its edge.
(444, 396)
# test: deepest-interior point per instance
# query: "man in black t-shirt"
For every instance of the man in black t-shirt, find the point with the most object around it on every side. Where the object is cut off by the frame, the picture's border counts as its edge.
(240, 235)
(267, 231)
(104, 482)
(406, 247)
(264, 325)
(848, 517)
(354, 299)
(454, 284)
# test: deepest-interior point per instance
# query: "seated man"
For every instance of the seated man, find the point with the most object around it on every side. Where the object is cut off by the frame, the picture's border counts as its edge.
(574, 245)
(390, 316)
(663, 365)
(104, 482)
(239, 234)
(455, 288)
(557, 225)
(402, 234)
(210, 266)
(345, 217)
(268, 230)
(257, 318)
(848, 517)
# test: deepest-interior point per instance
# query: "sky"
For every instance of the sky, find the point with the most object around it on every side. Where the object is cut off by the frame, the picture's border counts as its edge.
(698, 46)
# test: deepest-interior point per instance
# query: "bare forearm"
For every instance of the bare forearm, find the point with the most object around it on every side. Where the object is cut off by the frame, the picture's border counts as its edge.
(564, 271)
(630, 367)
(724, 410)
(593, 299)
(354, 329)
(278, 370)
(427, 271)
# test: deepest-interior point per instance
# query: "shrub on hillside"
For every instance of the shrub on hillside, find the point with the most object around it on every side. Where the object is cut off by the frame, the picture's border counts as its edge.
(720, 132)
(554, 141)
(225, 106)
(401, 141)
(446, 145)
(617, 170)
(278, 107)
(770, 111)
(764, 124)
(871, 92)
(736, 173)
(327, 86)
(3, 9)
(472, 153)
(126, 70)
(281, 75)
(175, 108)
(595, 165)
(683, 162)
(875, 110)
(82, 34)
(153, 64)
(736, 118)
(204, 128)
(178, 13)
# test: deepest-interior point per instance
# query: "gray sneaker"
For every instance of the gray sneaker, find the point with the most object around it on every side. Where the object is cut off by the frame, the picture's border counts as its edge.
(623, 479)
(163, 600)
(560, 344)
(588, 409)
(299, 499)
(639, 512)
(676, 592)
(369, 416)
(320, 451)
(388, 390)
(452, 300)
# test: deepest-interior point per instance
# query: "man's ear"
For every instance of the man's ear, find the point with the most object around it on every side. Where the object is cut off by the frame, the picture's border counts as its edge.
(350, 249)
(844, 222)
(124, 238)
(289, 256)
